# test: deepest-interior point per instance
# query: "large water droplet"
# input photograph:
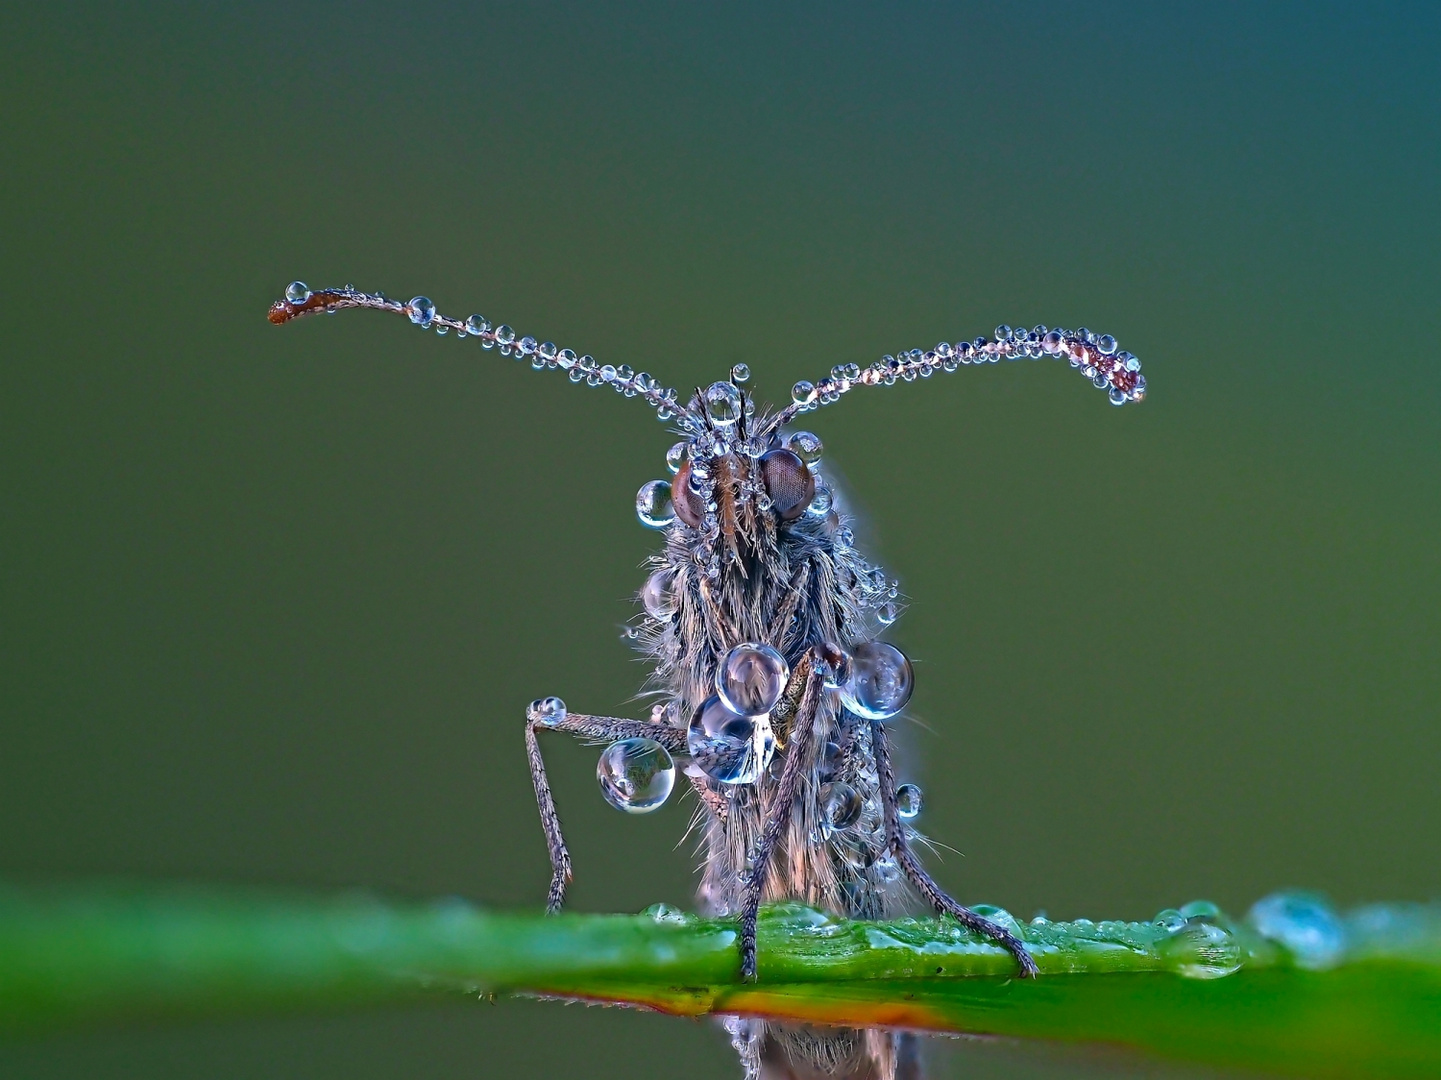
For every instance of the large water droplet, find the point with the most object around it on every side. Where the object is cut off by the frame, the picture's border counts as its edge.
(908, 801)
(675, 456)
(667, 915)
(653, 505)
(1107, 344)
(297, 292)
(803, 393)
(728, 747)
(887, 613)
(422, 311)
(1169, 920)
(840, 806)
(880, 681)
(751, 679)
(504, 334)
(477, 325)
(998, 915)
(635, 775)
(722, 403)
(807, 446)
(658, 595)
(1201, 949)
(821, 501)
(549, 709)
(1305, 925)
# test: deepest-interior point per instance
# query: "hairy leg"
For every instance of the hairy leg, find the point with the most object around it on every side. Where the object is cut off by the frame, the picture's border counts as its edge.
(595, 729)
(900, 847)
(812, 672)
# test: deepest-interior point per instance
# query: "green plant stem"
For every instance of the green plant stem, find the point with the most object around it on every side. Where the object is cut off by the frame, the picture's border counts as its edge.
(112, 953)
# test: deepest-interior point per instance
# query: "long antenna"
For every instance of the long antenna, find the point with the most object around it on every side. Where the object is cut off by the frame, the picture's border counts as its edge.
(1094, 356)
(300, 300)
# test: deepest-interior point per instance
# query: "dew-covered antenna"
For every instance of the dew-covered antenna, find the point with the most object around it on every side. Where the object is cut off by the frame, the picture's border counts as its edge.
(301, 300)
(1094, 356)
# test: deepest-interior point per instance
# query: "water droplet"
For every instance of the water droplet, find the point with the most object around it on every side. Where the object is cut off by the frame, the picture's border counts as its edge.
(821, 501)
(807, 446)
(887, 613)
(297, 292)
(751, 679)
(803, 393)
(653, 505)
(422, 311)
(1132, 364)
(840, 806)
(998, 915)
(728, 747)
(635, 775)
(477, 324)
(836, 674)
(1002, 332)
(1201, 949)
(1107, 344)
(1118, 396)
(658, 594)
(1303, 924)
(908, 801)
(667, 915)
(846, 537)
(722, 403)
(549, 709)
(1200, 909)
(856, 851)
(880, 681)
(1169, 920)
(740, 373)
(504, 334)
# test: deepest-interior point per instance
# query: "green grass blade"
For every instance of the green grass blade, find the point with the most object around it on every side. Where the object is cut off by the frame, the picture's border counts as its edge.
(1315, 994)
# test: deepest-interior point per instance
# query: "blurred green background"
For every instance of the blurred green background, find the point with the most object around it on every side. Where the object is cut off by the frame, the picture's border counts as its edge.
(274, 600)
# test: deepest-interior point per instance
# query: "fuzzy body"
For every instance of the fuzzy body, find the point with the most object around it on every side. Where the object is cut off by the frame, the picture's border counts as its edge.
(793, 585)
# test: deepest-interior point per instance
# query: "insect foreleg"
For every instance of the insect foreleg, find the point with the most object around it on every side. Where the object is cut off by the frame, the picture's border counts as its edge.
(812, 670)
(591, 728)
(900, 847)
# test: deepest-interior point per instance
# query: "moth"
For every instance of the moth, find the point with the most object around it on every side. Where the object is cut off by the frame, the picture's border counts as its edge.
(761, 621)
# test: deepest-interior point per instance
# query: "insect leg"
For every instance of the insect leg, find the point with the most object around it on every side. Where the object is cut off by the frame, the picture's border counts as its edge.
(809, 669)
(594, 729)
(900, 848)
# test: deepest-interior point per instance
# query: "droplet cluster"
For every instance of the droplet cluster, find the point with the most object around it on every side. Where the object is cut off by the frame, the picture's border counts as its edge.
(542, 355)
(1095, 356)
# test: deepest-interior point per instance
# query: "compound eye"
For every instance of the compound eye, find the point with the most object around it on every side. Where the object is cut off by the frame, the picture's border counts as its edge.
(688, 505)
(789, 483)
